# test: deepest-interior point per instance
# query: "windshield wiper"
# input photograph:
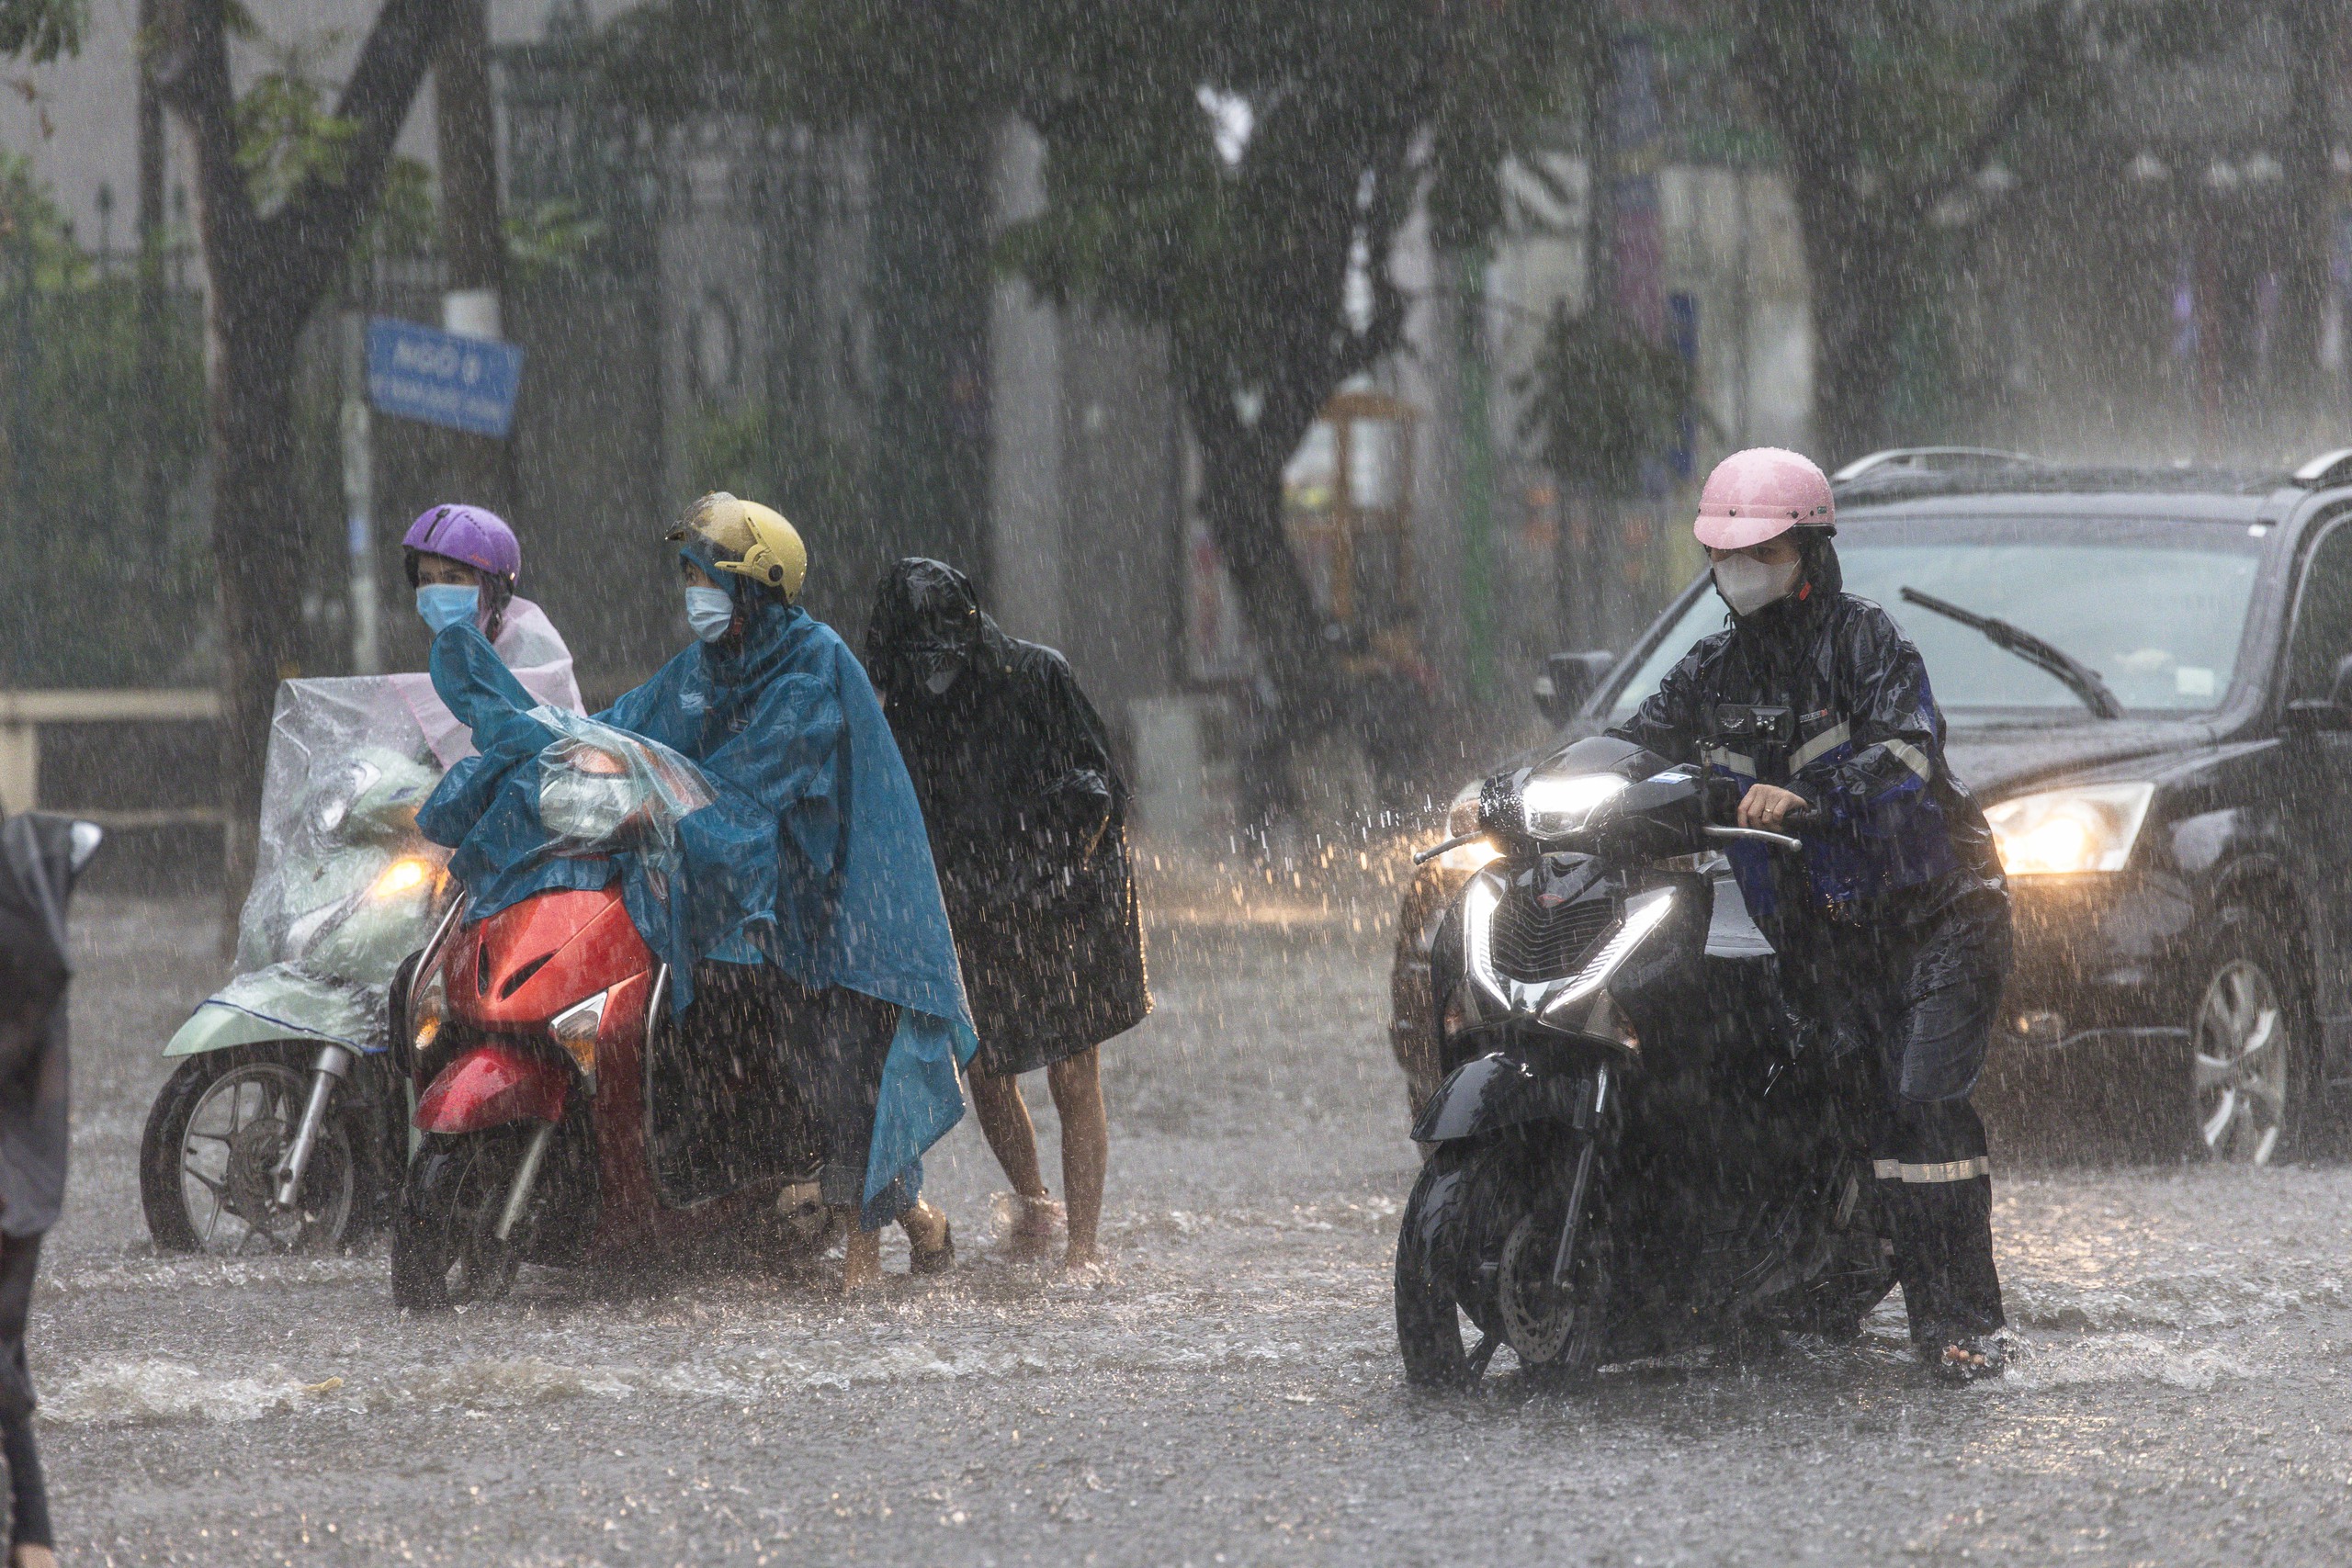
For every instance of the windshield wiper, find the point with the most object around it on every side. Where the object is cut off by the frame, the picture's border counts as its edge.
(2078, 677)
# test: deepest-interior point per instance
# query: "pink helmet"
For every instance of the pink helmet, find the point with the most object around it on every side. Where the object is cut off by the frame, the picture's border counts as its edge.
(1760, 494)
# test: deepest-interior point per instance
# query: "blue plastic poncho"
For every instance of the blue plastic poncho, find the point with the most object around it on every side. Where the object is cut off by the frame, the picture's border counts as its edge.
(812, 855)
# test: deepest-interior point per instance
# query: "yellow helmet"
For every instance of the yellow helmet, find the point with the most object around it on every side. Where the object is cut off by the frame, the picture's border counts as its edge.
(765, 547)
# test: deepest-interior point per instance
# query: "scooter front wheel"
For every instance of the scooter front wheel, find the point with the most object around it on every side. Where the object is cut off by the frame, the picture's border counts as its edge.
(1437, 1235)
(446, 1250)
(208, 1159)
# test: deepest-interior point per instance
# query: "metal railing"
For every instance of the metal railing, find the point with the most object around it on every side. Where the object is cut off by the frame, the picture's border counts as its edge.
(24, 714)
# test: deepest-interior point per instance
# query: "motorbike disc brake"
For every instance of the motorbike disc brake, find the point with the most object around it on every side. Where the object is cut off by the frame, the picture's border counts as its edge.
(253, 1153)
(1538, 1319)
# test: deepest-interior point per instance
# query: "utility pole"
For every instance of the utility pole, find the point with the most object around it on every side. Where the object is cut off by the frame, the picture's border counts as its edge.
(360, 500)
(152, 500)
(1475, 403)
(473, 239)
(2313, 30)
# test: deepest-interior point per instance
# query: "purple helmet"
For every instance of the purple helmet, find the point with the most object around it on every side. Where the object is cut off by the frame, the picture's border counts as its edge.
(474, 535)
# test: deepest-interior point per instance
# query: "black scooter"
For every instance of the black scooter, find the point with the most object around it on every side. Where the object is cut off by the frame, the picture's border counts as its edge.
(1637, 1149)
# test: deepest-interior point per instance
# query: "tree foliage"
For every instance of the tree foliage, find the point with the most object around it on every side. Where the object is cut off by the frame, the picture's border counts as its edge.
(40, 30)
(1886, 112)
(1236, 173)
(1602, 400)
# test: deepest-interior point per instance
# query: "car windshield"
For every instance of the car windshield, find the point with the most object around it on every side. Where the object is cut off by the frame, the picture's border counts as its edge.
(2157, 608)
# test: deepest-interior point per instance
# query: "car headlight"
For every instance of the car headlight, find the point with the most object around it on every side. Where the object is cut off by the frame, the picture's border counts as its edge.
(1553, 806)
(2062, 831)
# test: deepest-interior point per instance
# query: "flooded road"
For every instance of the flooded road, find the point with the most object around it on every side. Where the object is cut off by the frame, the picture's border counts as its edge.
(1228, 1392)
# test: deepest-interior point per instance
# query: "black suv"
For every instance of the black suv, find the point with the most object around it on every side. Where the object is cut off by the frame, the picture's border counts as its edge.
(2147, 677)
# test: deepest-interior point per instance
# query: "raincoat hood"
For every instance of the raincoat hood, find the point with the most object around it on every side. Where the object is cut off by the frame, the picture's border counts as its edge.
(926, 615)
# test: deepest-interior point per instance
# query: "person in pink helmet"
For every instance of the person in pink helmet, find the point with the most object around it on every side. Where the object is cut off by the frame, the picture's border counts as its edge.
(1894, 926)
(463, 562)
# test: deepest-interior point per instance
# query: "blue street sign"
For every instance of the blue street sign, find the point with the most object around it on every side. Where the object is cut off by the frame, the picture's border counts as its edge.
(462, 383)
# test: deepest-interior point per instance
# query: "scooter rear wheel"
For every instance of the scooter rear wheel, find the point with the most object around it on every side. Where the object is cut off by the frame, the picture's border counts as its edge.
(444, 1253)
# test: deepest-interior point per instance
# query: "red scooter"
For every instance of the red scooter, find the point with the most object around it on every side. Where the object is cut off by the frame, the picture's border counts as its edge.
(537, 1041)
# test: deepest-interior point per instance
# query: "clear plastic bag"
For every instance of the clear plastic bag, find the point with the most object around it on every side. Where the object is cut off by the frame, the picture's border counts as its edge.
(603, 789)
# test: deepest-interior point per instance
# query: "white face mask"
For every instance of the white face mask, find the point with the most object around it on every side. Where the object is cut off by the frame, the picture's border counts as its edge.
(1748, 585)
(709, 612)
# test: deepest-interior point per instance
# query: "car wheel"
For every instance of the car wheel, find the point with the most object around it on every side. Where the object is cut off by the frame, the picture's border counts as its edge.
(2252, 1079)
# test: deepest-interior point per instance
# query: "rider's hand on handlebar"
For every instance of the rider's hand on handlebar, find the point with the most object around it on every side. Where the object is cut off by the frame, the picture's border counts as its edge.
(1767, 806)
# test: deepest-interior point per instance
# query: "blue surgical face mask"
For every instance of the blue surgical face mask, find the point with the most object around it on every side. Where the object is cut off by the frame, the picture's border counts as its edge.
(709, 612)
(444, 604)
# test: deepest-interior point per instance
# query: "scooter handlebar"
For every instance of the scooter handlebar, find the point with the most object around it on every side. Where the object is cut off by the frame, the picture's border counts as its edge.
(1762, 835)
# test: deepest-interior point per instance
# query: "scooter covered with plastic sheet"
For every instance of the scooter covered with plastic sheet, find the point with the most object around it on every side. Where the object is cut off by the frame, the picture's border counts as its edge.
(282, 1126)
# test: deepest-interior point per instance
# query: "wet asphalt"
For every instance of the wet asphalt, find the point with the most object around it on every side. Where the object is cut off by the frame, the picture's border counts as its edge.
(1225, 1393)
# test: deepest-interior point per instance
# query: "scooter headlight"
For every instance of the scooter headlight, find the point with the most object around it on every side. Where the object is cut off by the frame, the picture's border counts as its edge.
(403, 876)
(428, 1009)
(1580, 1001)
(1554, 806)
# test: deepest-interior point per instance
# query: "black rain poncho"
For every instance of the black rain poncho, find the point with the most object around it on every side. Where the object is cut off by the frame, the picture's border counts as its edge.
(36, 878)
(1027, 817)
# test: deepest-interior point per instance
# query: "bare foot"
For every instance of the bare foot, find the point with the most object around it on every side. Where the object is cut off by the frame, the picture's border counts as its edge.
(1079, 1258)
(1033, 1225)
(861, 1254)
(30, 1556)
(930, 1243)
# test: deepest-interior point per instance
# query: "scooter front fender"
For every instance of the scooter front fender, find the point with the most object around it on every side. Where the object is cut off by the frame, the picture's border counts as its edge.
(1499, 1090)
(216, 1026)
(489, 1086)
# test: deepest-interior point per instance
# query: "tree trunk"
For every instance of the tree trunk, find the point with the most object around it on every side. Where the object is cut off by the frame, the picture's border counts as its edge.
(1241, 500)
(257, 551)
(482, 467)
(931, 293)
(267, 271)
(1863, 265)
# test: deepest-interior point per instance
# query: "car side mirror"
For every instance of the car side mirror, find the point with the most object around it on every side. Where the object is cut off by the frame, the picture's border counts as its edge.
(1567, 680)
(2315, 715)
(2329, 715)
